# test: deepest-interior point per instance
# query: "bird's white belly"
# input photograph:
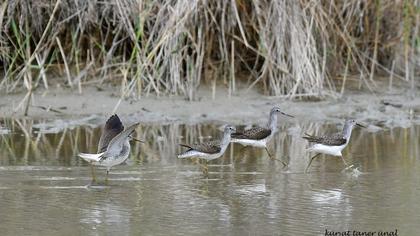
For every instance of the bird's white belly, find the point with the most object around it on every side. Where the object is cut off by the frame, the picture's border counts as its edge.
(329, 150)
(249, 142)
(202, 155)
(109, 162)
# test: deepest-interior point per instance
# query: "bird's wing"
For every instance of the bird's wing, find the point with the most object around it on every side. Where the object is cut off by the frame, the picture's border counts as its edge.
(255, 133)
(330, 140)
(210, 147)
(113, 127)
(116, 144)
(185, 145)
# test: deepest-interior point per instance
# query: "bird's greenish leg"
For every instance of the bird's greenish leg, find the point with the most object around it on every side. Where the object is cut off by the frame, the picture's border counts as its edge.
(346, 165)
(205, 168)
(310, 162)
(269, 154)
(342, 158)
(92, 169)
(243, 148)
(106, 178)
(273, 158)
(240, 151)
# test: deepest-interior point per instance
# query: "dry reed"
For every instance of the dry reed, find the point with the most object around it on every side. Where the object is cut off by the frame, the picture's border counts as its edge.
(288, 48)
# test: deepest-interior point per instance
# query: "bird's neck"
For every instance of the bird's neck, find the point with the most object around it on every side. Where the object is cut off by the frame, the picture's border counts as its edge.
(347, 131)
(127, 145)
(225, 140)
(272, 123)
(125, 150)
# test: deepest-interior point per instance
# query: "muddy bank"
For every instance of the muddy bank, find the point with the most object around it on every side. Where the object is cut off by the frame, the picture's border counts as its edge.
(61, 106)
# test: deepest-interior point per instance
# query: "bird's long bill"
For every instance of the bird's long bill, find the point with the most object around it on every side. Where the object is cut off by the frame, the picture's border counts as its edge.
(137, 140)
(360, 125)
(287, 114)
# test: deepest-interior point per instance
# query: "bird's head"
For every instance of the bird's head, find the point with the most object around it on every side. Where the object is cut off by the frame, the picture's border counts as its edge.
(352, 123)
(230, 129)
(276, 110)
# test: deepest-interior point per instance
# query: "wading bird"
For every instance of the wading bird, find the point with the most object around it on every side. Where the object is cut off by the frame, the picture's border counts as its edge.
(331, 144)
(209, 150)
(113, 147)
(260, 136)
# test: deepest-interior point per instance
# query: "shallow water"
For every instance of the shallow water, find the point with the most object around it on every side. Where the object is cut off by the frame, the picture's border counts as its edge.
(44, 186)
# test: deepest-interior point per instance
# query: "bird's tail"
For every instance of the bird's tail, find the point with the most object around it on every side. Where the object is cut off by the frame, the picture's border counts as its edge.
(89, 157)
(309, 137)
(185, 154)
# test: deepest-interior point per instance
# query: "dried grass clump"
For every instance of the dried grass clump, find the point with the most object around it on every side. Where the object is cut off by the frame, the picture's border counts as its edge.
(290, 48)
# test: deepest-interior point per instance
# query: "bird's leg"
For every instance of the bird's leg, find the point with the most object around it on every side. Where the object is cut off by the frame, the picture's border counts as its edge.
(206, 169)
(92, 169)
(282, 162)
(275, 159)
(197, 161)
(345, 164)
(203, 168)
(243, 148)
(310, 162)
(269, 154)
(342, 158)
(240, 150)
(106, 178)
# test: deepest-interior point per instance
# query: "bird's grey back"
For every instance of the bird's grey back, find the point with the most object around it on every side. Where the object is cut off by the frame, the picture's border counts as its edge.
(255, 133)
(209, 147)
(336, 139)
(112, 128)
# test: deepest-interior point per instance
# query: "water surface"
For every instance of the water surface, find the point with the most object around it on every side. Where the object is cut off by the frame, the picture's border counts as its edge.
(44, 186)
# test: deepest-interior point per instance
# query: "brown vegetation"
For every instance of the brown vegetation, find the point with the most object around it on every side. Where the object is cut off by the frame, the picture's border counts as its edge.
(290, 48)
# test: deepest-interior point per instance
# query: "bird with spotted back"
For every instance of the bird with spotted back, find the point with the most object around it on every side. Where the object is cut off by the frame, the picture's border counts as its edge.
(260, 136)
(331, 144)
(209, 150)
(113, 147)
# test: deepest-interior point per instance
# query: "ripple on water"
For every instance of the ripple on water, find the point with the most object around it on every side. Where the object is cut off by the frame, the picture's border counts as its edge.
(48, 188)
